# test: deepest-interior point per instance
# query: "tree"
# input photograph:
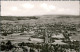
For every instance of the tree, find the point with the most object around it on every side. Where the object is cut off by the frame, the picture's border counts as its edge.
(9, 45)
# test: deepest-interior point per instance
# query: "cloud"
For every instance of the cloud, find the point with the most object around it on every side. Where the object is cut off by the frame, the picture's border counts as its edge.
(14, 8)
(28, 5)
(52, 7)
(48, 7)
(44, 5)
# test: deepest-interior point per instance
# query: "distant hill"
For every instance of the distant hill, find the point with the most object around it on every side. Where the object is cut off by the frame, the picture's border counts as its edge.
(17, 17)
(44, 18)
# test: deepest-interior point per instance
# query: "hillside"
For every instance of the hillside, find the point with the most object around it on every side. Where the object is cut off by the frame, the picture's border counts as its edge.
(44, 19)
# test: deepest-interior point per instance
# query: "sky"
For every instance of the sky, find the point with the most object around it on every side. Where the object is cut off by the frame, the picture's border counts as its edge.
(0, 8)
(32, 8)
